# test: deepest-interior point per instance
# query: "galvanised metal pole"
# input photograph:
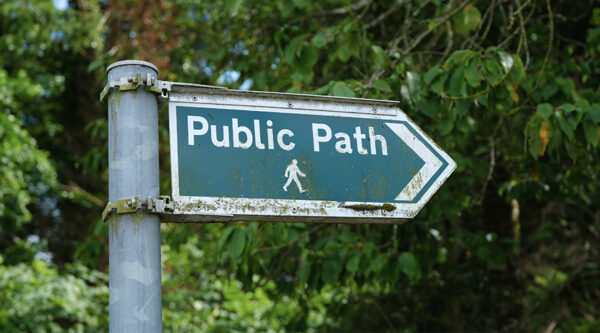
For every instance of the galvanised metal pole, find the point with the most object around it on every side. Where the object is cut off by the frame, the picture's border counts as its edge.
(134, 239)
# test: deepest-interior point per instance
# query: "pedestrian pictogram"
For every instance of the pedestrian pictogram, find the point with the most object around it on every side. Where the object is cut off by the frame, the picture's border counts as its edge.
(292, 172)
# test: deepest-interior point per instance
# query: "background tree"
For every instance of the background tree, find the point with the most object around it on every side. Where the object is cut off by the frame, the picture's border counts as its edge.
(509, 88)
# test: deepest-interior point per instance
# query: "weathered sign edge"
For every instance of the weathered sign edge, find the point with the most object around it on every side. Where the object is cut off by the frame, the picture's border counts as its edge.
(211, 208)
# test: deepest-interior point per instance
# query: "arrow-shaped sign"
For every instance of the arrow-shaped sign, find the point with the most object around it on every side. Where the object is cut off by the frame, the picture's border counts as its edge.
(239, 155)
(427, 171)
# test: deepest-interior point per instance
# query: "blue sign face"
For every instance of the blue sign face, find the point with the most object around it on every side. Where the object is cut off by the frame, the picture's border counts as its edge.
(232, 153)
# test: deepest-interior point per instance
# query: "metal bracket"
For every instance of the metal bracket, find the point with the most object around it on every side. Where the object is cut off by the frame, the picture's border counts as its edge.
(149, 82)
(164, 87)
(132, 205)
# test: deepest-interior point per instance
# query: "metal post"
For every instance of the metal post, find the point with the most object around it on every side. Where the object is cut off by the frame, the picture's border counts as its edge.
(134, 239)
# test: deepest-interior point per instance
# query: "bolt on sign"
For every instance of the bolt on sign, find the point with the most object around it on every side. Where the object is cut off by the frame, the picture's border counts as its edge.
(243, 155)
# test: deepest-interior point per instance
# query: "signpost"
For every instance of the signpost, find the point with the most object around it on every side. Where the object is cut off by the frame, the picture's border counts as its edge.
(253, 156)
(134, 239)
(240, 155)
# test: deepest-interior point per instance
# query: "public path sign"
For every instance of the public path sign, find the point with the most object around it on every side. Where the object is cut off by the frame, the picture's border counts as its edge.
(243, 155)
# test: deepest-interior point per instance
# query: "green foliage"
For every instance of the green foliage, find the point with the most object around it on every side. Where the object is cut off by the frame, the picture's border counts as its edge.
(467, 20)
(508, 88)
(27, 173)
(216, 302)
(493, 89)
(42, 54)
(35, 297)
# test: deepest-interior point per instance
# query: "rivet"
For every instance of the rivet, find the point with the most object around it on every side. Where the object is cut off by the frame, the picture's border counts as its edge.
(374, 110)
(290, 105)
(194, 98)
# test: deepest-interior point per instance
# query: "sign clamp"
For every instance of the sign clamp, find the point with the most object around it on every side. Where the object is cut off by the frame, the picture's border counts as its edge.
(150, 205)
(131, 83)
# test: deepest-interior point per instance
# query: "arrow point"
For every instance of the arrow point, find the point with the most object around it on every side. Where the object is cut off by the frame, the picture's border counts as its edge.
(427, 171)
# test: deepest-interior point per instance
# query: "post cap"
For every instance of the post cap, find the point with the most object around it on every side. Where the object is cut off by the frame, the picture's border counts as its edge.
(131, 62)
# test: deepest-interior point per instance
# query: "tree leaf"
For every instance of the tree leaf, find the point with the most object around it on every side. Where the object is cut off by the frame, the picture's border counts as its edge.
(567, 107)
(94, 65)
(472, 72)
(457, 82)
(237, 243)
(544, 111)
(573, 151)
(380, 58)
(506, 60)
(564, 126)
(319, 40)
(432, 74)
(458, 58)
(234, 7)
(341, 89)
(352, 264)
(377, 263)
(545, 132)
(591, 131)
(382, 85)
(343, 53)
(517, 73)
(537, 134)
(467, 20)
(223, 240)
(409, 265)
(462, 107)
(308, 58)
(286, 7)
(549, 90)
(302, 4)
(446, 126)
(512, 91)
(411, 89)
(330, 270)
(292, 49)
(494, 70)
(438, 85)
(429, 108)
(304, 272)
(595, 113)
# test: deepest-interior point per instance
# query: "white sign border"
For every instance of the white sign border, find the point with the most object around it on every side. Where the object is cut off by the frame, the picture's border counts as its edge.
(221, 208)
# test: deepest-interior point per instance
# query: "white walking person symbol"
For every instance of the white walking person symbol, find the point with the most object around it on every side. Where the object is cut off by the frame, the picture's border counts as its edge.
(292, 171)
